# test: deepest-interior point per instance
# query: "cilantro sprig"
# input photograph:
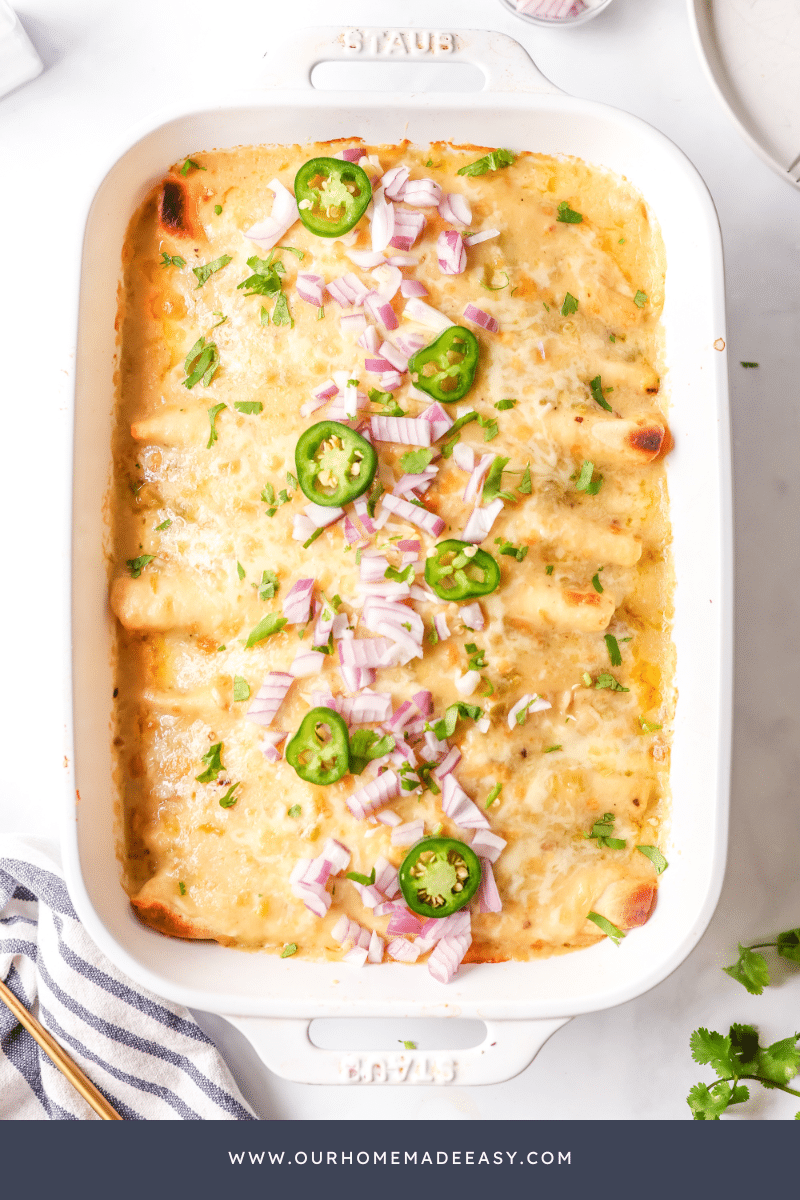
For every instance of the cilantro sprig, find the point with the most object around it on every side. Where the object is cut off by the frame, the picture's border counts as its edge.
(490, 162)
(202, 363)
(365, 746)
(568, 215)
(734, 1057)
(213, 760)
(601, 833)
(205, 271)
(751, 969)
(585, 481)
(445, 727)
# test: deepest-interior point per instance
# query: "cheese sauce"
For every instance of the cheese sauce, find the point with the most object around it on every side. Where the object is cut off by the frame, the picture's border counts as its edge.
(583, 564)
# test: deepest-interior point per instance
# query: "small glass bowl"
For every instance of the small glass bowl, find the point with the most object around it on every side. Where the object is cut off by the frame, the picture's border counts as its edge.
(556, 22)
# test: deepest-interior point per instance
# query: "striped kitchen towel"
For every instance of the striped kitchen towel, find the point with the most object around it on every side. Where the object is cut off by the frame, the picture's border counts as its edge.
(147, 1056)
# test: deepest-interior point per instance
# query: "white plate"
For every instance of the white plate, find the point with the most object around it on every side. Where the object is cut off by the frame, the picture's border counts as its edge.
(751, 51)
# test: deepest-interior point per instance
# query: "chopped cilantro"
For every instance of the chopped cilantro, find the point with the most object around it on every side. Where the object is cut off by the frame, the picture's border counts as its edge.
(503, 405)
(250, 407)
(228, 800)
(547, 306)
(490, 162)
(213, 413)
(493, 794)
(294, 811)
(490, 427)
(648, 727)
(640, 299)
(265, 628)
(205, 272)
(604, 680)
(596, 584)
(499, 287)
(293, 250)
(202, 363)
(218, 209)
(584, 480)
(280, 313)
(164, 525)
(569, 306)
(749, 364)
(611, 337)
(445, 727)
(550, 749)
(568, 215)
(241, 689)
(404, 1043)
(191, 165)
(548, 569)
(597, 393)
(415, 461)
(317, 533)
(601, 832)
(606, 927)
(494, 478)
(517, 552)
(612, 646)
(175, 260)
(213, 760)
(264, 316)
(240, 570)
(404, 576)
(268, 586)
(268, 494)
(655, 856)
(320, 313)
(373, 496)
(291, 480)
(451, 437)
(137, 565)
(289, 949)
(181, 887)
(526, 486)
(265, 280)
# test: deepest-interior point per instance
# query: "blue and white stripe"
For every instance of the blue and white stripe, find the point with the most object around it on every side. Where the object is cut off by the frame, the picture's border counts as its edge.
(147, 1056)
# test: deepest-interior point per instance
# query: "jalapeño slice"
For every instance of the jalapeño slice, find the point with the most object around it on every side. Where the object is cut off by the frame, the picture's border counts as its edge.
(320, 750)
(439, 876)
(334, 463)
(446, 369)
(456, 575)
(331, 195)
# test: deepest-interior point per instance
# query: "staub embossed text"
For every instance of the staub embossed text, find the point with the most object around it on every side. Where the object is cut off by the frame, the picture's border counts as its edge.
(400, 42)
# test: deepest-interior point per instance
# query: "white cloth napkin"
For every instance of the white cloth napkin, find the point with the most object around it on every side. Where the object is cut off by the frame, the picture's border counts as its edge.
(147, 1056)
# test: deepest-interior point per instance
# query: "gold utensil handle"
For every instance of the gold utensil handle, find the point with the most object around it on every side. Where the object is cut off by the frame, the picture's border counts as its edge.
(62, 1060)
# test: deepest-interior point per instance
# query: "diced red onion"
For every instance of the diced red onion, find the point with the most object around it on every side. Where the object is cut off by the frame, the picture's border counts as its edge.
(388, 279)
(402, 951)
(405, 645)
(436, 928)
(479, 317)
(352, 154)
(297, 602)
(390, 381)
(269, 744)
(351, 534)
(394, 181)
(488, 896)
(409, 431)
(375, 951)
(374, 795)
(422, 193)
(346, 930)
(320, 516)
(412, 287)
(366, 258)
(474, 239)
(531, 703)
(353, 324)
(439, 419)
(370, 339)
(376, 366)
(464, 456)
(409, 545)
(388, 817)
(409, 833)
(407, 511)
(340, 292)
(284, 213)
(423, 701)
(466, 683)
(311, 406)
(487, 844)
(337, 855)
(388, 590)
(311, 288)
(340, 624)
(373, 567)
(309, 663)
(458, 806)
(386, 877)
(383, 218)
(363, 652)
(326, 390)
(269, 697)
(376, 610)
(441, 627)
(424, 314)
(409, 484)
(356, 957)
(450, 252)
(449, 951)
(381, 310)
(394, 356)
(403, 921)
(448, 763)
(302, 527)
(362, 512)
(472, 616)
(454, 208)
(475, 482)
(480, 523)
(408, 226)
(370, 895)
(356, 287)
(402, 260)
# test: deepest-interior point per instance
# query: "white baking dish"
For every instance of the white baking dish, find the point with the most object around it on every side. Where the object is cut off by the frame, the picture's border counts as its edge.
(272, 999)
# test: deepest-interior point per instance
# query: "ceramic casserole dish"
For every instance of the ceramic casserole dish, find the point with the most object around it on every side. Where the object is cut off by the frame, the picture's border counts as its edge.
(273, 1000)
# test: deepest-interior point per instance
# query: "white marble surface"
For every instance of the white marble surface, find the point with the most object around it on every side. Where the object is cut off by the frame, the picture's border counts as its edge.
(108, 63)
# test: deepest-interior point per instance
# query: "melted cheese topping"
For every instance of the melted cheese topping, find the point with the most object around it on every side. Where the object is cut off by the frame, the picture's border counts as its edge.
(224, 872)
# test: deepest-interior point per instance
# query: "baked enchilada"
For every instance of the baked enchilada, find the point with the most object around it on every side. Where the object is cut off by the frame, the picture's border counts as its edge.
(390, 554)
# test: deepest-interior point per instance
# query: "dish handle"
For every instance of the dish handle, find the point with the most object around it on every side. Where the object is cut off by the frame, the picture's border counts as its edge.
(284, 1046)
(506, 65)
